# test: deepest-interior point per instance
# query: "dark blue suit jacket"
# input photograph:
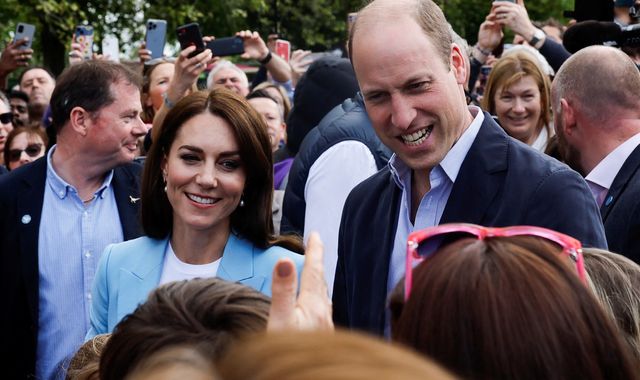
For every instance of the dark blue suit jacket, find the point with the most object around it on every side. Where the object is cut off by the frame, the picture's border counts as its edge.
(621, 209)
(22, 193)
(501, 182)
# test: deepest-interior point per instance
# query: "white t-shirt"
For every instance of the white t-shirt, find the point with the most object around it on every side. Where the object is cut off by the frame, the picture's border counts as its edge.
(175, 270)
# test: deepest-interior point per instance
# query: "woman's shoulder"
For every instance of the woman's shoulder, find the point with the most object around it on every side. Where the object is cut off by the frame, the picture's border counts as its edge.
(276, 252)
(133, 250)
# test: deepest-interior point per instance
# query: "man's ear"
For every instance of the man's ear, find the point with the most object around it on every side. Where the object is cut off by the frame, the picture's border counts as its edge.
(80, 120)
(568, 114)
(459, 64)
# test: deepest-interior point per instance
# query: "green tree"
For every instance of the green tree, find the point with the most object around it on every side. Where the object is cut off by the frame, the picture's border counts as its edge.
(310, 24)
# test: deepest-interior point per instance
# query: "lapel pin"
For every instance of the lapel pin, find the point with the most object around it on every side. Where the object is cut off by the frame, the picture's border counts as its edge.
(133, 200)
(608, 201)
(26, 219)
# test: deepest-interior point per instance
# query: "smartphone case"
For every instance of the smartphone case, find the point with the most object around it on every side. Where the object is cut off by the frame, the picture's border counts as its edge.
(156, 37)
(188, 35)
(84, 37)
(226, 46)
(111, 48)
(25, 30)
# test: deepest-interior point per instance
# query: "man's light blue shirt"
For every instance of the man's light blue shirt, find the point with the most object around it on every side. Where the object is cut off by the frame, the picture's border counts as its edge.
(442, 178)
(71, 239)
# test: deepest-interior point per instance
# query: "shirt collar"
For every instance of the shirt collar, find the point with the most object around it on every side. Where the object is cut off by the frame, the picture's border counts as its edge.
(605, 172)
(61, 188)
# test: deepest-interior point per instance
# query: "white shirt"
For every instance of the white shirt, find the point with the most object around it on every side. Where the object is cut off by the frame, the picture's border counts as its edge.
(175, 270)
(540, 143)
(601, 177)
(442, 178)
(331, 178)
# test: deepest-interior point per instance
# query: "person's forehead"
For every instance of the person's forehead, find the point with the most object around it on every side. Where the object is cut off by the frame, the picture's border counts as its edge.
(227, 73)
(265, 103)
(36, 74)
(4, 108)
(17, 101)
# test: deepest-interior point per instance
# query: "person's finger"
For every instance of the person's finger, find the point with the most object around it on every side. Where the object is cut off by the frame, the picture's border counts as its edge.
(284, 284)
(312, 278)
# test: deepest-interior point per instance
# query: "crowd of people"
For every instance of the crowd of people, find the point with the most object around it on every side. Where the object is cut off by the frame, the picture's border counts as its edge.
(420, 209)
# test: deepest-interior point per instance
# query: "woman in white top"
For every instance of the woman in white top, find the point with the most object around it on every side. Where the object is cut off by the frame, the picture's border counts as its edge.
(206, 208)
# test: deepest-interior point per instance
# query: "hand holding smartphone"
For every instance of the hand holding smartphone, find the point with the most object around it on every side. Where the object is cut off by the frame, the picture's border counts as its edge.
(283, 49)
(156, 37)
(111, 48)
(84, 37)
(226, 46)
(189, 35)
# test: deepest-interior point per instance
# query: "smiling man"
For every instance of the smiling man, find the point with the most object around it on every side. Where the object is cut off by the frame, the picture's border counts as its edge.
(451, 162)
(59, 213)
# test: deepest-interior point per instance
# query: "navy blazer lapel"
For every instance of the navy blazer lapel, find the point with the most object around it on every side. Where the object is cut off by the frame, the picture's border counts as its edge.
(481, 176)
(620, 182)
(29, 200)
(126, 187)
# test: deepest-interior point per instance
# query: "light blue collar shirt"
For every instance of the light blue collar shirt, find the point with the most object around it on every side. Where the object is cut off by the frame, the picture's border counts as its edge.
(71, 238)
(442, 178)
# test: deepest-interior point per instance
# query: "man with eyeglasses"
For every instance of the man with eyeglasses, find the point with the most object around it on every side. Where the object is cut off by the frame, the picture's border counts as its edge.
(451, 162)
(58, 213)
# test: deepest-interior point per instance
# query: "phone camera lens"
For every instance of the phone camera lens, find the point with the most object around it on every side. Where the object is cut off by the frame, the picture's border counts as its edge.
(20, 29)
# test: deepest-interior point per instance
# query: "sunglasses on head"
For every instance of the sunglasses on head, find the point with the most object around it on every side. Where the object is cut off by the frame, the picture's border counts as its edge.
(32, 150)
(423, 244)
(5, 118)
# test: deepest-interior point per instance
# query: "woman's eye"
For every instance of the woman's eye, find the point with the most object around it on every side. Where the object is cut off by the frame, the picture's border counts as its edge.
(230, 164)
(189, 157)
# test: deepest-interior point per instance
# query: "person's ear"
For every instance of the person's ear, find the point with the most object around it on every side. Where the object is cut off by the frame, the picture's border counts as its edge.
(458, 64)
(80, 120)
(568, 115)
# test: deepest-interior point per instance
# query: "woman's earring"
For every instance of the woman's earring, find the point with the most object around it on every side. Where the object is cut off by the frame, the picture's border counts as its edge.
(241, 202)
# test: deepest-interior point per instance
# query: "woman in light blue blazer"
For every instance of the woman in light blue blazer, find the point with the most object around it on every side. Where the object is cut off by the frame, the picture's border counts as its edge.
(206, 200)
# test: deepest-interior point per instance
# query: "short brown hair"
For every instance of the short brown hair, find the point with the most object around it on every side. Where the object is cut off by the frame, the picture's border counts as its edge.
(254, 220)
(342, 355)
(510, 308)
(207, 314)
(87, 85)
(426, 14)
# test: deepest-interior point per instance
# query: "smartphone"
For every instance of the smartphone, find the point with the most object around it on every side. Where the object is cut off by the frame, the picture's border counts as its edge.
(84, 37)
(156, 37)
(25, 30)
(111, 47)
(283, 49)
(226, 46)
(189, 35)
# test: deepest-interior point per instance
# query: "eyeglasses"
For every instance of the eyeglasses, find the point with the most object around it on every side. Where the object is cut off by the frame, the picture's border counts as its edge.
(32, 150)
(5, 118)
(425, 243)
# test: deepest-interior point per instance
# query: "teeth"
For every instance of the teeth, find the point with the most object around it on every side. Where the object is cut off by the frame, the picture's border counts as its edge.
(418, 137)
(206, 201)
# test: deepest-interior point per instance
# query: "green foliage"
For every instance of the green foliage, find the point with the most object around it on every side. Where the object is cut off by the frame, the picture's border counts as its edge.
(309, 24)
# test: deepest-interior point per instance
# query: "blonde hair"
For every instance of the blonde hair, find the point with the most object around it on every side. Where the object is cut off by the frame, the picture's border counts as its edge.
(341, 355)
(615, 280)
(85, 364)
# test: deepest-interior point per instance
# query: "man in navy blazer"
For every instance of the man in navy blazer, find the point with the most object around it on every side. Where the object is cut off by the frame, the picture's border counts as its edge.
(57, 213)
(451, 163)
(597, 120)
